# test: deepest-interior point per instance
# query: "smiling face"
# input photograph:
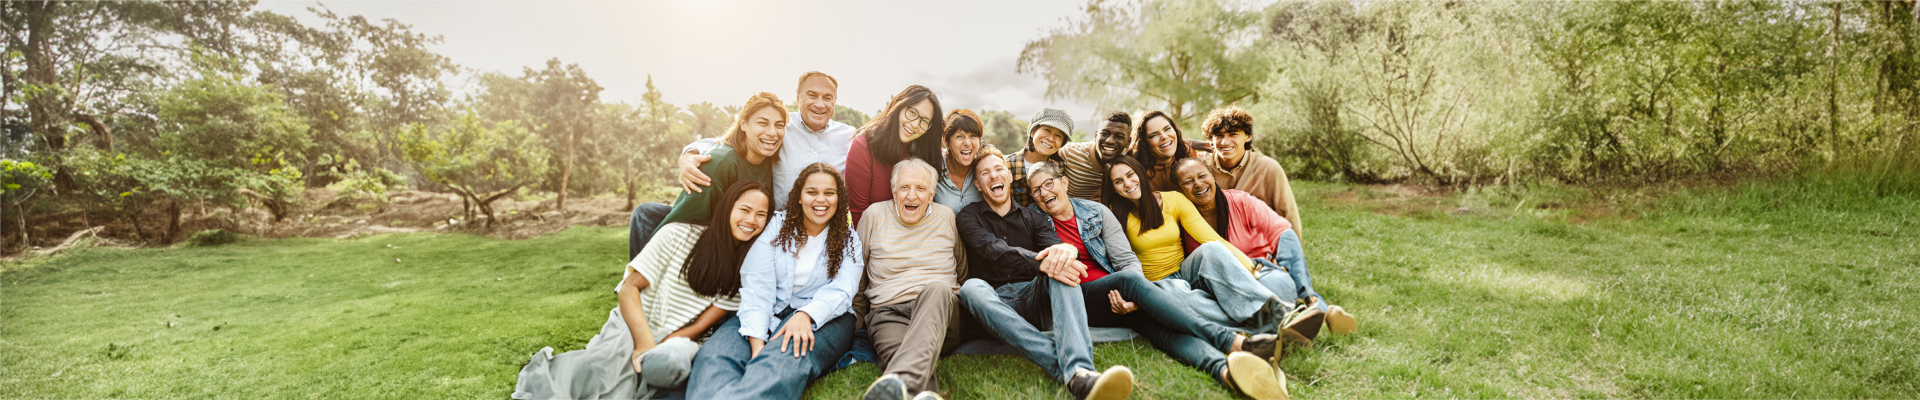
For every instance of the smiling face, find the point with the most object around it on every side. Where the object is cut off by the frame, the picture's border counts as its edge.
(1113, 140)
(749, 214)
(765, 131)
(915, 120)
(961, 148)
(1230, 147)
(1050, 192)
(1162, 139)
(817, 96)
(1196, 181)
(993, 179)
(1125, 181)
(818, 200)
(912, 195)
(1047, 140)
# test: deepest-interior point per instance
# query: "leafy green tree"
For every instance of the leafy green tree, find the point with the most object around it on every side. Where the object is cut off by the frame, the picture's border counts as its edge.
(357, 82)
(480, 162)
(846, 115)
(1181, 56)
(1003, 130)
(655, 142)
(236, 129)
(80, 61)
(559, 102)
(707, 119)
(20, 181)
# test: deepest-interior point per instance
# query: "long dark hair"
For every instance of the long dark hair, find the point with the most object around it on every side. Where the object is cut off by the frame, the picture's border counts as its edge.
(889, 150)
(713, 267)
(1144, 152)
(1147, 208)
(793, 229)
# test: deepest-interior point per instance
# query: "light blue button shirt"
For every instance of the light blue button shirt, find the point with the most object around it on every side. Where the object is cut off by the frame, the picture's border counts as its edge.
(766, 283)
(956, 197)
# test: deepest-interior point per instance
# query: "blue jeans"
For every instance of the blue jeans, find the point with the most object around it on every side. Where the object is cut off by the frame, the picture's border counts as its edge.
(726, 369)
(646, 218)
(1015, 312)
(1212, 268)
(1286, 275)
(1166, 323)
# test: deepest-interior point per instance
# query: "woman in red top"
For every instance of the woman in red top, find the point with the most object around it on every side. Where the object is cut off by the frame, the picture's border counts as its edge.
(902, 129)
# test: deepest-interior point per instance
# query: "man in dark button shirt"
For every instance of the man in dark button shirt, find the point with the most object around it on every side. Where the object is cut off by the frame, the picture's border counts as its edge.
(1020, 278)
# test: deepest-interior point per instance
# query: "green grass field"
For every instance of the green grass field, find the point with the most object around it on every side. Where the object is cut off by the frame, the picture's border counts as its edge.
(1756, 291)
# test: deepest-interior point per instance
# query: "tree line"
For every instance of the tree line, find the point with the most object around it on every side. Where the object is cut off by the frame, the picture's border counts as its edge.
(1465, 93)
(132, 114)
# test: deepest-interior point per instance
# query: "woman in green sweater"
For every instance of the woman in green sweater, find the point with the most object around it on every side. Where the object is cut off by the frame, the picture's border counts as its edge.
(746, 152)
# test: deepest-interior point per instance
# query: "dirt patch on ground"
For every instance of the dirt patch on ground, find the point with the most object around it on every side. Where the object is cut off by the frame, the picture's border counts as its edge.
(330, 215)
(1399, 200)
(417, 211)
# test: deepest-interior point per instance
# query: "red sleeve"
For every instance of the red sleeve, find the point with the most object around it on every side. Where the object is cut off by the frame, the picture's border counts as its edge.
(859, 177)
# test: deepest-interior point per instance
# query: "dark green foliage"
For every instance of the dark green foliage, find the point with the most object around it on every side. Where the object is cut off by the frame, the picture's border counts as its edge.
(212, 237)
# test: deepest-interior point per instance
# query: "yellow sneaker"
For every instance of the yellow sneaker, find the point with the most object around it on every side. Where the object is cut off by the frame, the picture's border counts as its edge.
(1253, 377)
(1340, 322)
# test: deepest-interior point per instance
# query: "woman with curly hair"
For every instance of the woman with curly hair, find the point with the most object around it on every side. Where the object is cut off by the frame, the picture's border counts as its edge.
(686, 281)
(797, 286)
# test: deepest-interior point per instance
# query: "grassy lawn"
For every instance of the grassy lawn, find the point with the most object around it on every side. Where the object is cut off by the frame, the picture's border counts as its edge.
(1748, 292)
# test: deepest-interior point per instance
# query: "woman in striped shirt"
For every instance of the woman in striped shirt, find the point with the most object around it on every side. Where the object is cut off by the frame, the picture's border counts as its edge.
(684, 282)
(797, 286)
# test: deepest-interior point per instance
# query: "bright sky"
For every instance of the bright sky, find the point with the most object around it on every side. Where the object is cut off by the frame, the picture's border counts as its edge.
(724, 51)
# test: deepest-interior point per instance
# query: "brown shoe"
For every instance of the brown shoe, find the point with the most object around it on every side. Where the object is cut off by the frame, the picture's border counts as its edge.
(1306, 320)
(1253, 377)
(1340, 322)
(1265, 345)
(1294, 338)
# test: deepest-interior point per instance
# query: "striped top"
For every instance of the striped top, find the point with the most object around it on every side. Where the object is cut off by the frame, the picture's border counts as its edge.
(669, 302)
(901, 258)
(1160, 250)
(1083, 170)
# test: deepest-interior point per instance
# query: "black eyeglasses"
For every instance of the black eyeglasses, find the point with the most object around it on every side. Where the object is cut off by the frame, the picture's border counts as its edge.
(915, 120)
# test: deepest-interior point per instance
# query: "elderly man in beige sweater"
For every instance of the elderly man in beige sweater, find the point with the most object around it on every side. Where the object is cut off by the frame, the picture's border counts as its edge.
(913, 257)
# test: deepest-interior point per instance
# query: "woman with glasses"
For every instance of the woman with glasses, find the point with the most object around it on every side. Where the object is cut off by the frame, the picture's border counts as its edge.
(898, 133)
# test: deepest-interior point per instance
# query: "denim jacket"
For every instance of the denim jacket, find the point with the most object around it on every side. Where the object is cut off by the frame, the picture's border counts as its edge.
(1106, 243)
(766, 283)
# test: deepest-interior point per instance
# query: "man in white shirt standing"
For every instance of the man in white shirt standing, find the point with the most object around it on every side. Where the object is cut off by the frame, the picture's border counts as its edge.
(817, 138)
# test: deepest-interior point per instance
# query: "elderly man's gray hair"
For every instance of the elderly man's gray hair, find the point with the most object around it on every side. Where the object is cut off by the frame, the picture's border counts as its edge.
(912, 164)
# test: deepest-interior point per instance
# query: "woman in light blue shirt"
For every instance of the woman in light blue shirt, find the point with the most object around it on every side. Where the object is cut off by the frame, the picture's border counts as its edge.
(796, 290)
(962, 141)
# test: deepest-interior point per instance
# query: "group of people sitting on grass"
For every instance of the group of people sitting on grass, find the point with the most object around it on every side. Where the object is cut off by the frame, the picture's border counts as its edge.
(798, 248)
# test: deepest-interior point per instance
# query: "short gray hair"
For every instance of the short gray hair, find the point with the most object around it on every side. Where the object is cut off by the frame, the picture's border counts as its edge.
(1049, 167)
(912, 163)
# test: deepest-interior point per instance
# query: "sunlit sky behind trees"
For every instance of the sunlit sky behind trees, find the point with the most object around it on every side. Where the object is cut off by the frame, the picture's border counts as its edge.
(724, 51)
